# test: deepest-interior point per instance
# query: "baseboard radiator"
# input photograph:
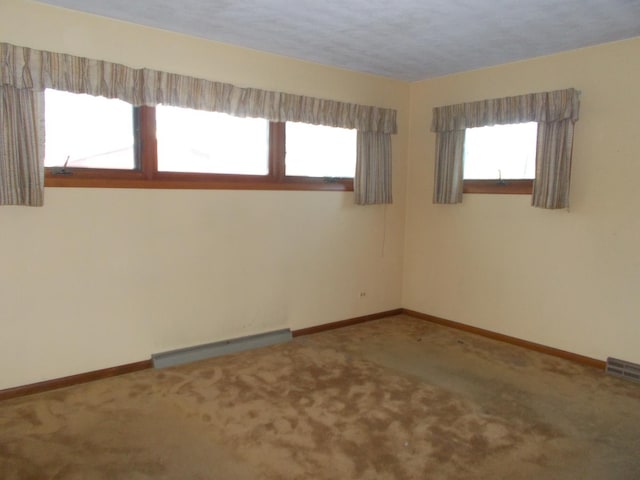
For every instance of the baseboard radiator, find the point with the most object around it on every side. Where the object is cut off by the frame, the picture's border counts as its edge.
(623, 369)
(216, 349)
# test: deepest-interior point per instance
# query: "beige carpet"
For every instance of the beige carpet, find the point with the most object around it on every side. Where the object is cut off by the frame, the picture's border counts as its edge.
(397, 398)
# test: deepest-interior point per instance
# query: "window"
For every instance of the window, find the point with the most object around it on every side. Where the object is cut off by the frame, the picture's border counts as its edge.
(210, 142)
(555, 113)
(75, 135)
(99, 142)
(320, 151)
(500, 158)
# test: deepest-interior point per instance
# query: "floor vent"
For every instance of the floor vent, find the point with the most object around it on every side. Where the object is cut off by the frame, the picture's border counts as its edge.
(623, 369)
(216, 349)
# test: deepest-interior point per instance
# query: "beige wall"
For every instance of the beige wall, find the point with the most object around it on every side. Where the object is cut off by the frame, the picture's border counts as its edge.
(98, 278)
(567, 279)
(102, 277)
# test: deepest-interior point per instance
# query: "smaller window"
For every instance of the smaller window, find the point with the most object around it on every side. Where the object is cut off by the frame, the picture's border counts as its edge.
(500, 158)
(83, 131)
(320, 151)
(199, 141)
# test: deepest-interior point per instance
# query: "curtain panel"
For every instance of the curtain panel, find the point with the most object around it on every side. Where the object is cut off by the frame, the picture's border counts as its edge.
(448, 183)
(553, 165)
(555, 112)
(21, 147)
(35, 70)
(372, 182)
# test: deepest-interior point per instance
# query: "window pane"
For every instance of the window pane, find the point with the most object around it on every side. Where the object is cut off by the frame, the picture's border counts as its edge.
(93, 132)
(500, 151)
(210, 142)
(320, 151)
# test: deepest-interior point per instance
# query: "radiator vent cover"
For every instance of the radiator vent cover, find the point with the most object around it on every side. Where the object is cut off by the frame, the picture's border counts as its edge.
(216, 349)
(623, 369)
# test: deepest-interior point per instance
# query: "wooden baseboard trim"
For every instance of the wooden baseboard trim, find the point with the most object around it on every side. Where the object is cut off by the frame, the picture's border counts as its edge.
(56, 383)
(537, 347)
(345, 323)
(62, 382)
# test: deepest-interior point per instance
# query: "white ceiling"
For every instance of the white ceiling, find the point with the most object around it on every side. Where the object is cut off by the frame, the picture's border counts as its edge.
(403, 39)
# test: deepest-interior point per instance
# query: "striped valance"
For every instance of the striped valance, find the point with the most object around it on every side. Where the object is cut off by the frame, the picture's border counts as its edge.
(534, 107)
(26, 68)
(25, 73)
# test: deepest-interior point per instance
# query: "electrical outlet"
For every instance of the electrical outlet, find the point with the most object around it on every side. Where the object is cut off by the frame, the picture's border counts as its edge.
(363, 294)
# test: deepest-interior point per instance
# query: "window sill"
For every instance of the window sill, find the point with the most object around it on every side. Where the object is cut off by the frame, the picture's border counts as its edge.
(505, 187)
(187, 181)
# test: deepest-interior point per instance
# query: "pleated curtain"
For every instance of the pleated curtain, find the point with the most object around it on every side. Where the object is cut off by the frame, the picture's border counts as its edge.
(449, 167)
(553, 164)
(372, 182)
(21, 146)
(27, 69)
(555, 112)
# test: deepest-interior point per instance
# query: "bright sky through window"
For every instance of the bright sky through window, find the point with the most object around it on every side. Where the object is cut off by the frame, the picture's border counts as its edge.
(96, 132)
(500, 151)
(210, 142)
(320, 151)
(93, 132)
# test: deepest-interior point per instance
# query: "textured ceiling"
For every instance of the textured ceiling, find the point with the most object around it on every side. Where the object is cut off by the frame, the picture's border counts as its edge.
(403, 39)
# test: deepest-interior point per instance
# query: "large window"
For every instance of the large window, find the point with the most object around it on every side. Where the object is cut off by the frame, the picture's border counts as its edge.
(500, 158)
(98, 142)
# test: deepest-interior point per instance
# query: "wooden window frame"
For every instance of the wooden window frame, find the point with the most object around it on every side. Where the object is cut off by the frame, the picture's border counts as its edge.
(506, 187)
(146, 174)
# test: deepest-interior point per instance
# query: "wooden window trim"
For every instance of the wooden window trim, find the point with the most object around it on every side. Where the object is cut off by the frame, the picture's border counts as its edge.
(146, 174)
(506, 187)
